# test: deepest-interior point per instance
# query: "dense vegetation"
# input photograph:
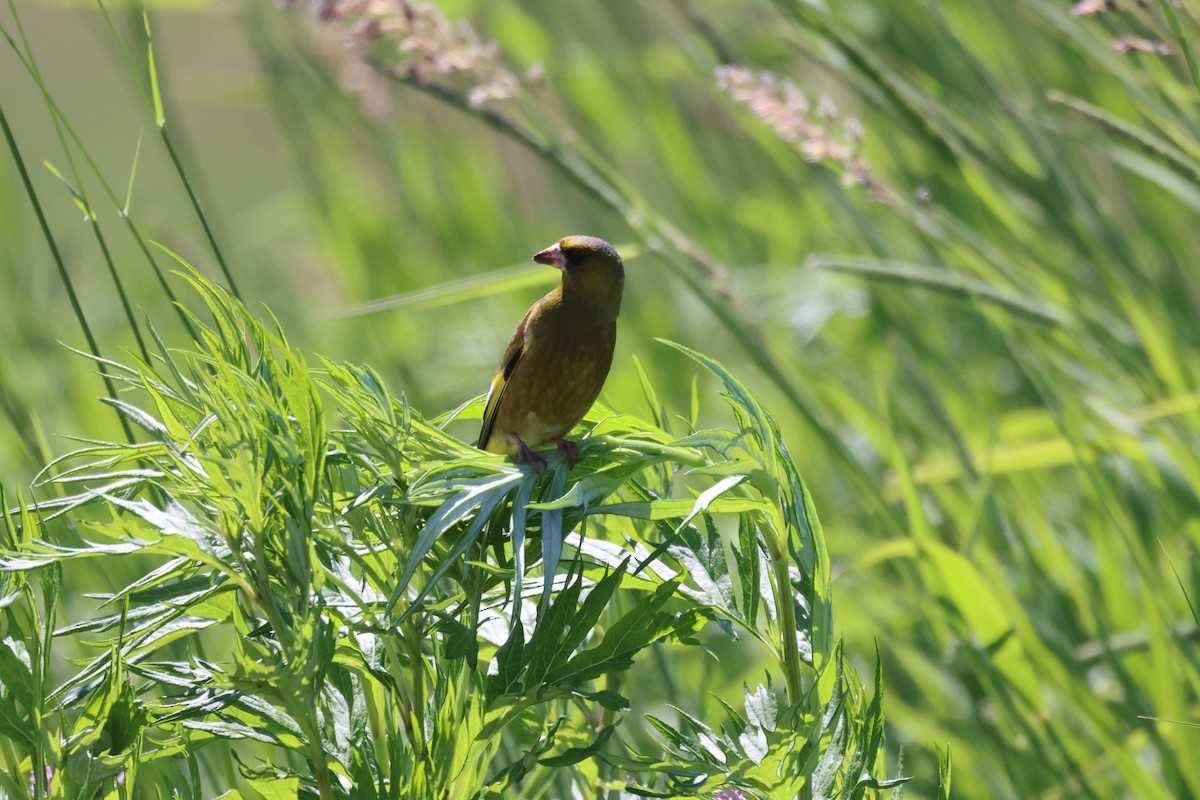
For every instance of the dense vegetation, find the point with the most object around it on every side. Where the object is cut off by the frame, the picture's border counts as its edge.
(947, 245)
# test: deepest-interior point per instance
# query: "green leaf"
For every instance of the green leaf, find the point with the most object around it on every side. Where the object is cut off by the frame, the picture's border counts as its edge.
(702, 554)
(675, 509)
(510, 662)
(552, 536)
(15, 723)
(833, 730)
(460, 642)
(573, 755)
(159, 117)
(632, 633)
(761, 707)
(15, 665)
(284, 787)
(944, 771)
(869, 741)
(752, 571)
(480, 496)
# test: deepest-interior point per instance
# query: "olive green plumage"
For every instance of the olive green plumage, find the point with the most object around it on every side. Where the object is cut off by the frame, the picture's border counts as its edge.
(558, 358)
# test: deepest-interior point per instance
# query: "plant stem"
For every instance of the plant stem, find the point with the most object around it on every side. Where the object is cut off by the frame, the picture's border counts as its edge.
(412, 643)
(776, 536)
(312, 729)
(208, 231)
(1168, 8)
(93, 348)
(78, 189)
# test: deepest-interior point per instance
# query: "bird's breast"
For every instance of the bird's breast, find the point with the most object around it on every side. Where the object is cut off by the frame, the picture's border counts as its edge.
(568, 352)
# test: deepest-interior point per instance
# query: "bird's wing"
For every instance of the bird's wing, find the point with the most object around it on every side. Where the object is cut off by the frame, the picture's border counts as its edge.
(508, 364)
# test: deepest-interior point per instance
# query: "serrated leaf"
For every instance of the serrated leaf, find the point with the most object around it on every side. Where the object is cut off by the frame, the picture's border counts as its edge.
(574, 755)
(824, 776)
(761, 707)
(753, 571)
(870, 737)
(701, 553)
(564, 628)
(479, 496)
(14, 723)
(633, 632)
(15, 666)
(510, 662)
(284, 787)
(228, 730)
(460, 642)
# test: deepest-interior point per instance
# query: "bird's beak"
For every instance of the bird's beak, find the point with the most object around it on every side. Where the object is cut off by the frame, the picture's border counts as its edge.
(552, 256)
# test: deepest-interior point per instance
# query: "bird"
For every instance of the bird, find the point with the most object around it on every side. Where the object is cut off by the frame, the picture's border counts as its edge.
(559, 356)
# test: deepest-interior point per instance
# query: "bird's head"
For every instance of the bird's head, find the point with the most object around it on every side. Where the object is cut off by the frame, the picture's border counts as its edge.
(591, 269)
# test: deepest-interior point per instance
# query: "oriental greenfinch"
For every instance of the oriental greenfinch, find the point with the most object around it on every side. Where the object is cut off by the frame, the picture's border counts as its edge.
(558, 358)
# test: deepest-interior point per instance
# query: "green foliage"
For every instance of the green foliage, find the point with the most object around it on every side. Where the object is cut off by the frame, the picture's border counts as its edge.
(765, 752)
(948, 244)
(366, 574)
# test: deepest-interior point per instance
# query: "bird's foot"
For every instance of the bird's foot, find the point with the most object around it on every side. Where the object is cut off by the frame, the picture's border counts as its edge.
(527, 456)
(569, 450)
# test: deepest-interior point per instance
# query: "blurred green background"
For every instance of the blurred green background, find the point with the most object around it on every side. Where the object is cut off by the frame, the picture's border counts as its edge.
(984, 360)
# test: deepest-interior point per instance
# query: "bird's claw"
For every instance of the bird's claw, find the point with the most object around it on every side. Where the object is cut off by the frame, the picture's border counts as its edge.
(527, 456)
(567, 448)
(569, 451)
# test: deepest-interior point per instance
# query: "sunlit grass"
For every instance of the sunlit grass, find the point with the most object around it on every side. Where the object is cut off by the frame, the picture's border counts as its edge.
(342, 591)
(989, 380)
